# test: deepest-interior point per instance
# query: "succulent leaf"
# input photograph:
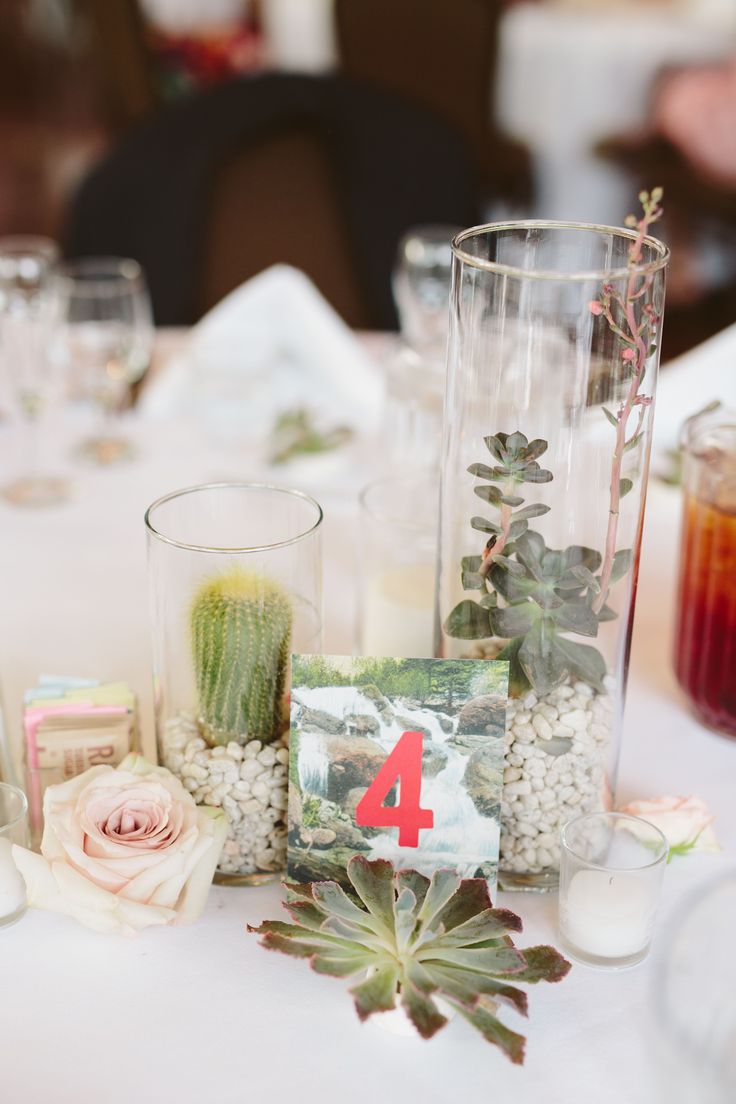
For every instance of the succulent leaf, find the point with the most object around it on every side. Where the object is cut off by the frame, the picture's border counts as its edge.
(412, 940)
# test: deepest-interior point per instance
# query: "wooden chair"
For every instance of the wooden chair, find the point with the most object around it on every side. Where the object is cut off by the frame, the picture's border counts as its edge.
(440, 54)
(324, 173)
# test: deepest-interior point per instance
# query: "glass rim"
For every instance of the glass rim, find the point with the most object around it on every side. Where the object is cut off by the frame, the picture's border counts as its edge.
(234, 485)
(381, 516)
(90, 275)
(612, 815)
(600, 274)
(18, 792)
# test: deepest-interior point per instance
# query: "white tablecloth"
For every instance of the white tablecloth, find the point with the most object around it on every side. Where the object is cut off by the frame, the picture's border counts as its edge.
(572, 74)
(202, 1013)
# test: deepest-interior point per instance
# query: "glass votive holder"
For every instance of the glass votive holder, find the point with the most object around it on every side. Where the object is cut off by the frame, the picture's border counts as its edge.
(611, 869)
(13, 829)
(397, 578)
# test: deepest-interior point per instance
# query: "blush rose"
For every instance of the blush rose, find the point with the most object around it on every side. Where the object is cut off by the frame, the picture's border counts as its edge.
(123, 849)
(685, 821)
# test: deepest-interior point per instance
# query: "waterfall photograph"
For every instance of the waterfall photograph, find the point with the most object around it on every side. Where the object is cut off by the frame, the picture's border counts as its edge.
(400, 759)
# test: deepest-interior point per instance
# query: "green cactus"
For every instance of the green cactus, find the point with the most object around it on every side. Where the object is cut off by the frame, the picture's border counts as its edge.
(241, 630)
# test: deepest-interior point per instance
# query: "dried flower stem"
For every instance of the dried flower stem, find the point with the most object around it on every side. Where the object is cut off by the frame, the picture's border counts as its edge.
(636, 352)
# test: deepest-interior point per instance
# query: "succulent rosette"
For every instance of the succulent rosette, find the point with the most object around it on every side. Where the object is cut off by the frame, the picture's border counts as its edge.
(123, 849)
(413, 941)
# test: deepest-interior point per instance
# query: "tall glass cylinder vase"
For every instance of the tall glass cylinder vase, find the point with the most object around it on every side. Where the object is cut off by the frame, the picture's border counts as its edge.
(236, 587)
(552, 365)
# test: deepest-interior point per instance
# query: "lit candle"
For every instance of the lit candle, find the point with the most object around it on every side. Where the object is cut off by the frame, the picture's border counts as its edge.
(609, 914)
(12, 886)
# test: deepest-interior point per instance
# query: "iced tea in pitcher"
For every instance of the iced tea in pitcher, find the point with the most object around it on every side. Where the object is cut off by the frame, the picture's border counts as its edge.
(705, 632)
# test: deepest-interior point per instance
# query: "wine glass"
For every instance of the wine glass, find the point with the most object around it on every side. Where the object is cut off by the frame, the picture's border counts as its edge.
(29, 311)
(108, 336)
(421, 287)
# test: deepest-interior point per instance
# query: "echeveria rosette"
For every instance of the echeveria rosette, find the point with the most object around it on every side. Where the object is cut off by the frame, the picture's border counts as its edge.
(414, 939)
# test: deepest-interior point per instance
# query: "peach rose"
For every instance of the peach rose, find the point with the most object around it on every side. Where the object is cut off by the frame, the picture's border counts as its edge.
(123, 848)
(685, 821)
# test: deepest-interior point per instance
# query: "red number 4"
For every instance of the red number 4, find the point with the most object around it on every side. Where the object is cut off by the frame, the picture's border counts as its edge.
(405, 763)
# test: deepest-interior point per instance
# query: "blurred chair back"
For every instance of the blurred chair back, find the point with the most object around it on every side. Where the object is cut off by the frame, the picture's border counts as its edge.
(323, 173)
(440, 54)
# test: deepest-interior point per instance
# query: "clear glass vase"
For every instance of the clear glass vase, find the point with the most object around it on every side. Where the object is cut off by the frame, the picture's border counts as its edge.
(236, 587)
(552, 363)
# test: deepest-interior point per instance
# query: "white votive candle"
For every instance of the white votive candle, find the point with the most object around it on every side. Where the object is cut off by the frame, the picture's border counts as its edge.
(608, 914)
(398, 612)
(12, 886)
(611, 868)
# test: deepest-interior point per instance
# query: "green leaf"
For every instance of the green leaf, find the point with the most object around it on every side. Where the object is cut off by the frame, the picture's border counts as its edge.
(495, 447)
(535, 448)
(624, 486)
(518, 681)
(334, 899)
(493, 1031)
(421, 1010)
(485, 526)
(416, 882)
(540, 658)
(611, 417)
(482, 471)
(487, 960)
(621, 564)
(534, 474)
(511, 500)
(374, 884)
(517, 529)
(471, 580)
(516, 442)
(605, 613)
(535, 509)
(471, 563)
(516, 620)
(584, 662)
(378, 992)
(468, 621)
(633, 441)
(336, 966)
(489, 601)
(543, 964)
(442, 887)
(577, 617)
(465, 987)
(509, 565)
(586, 576)
(488, 493)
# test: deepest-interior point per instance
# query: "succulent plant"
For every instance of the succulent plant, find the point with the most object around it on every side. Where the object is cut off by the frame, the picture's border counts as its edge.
(415, 939)
(531, 594)
(241, 628)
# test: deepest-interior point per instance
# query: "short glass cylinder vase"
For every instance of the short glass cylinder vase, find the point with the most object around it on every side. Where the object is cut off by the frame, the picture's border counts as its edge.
(552, 363)
(236, 586)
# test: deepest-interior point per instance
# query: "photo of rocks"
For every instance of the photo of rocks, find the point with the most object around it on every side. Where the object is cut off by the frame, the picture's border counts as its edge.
(347, 716)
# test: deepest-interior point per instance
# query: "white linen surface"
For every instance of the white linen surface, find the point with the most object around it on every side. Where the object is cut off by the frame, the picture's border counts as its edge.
(203, 1013)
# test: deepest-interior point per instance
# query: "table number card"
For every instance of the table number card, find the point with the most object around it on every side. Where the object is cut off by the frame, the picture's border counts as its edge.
(399, 759)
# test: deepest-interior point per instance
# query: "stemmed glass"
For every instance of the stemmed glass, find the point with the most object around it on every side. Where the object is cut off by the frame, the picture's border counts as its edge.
(29, 310)
(108, 335)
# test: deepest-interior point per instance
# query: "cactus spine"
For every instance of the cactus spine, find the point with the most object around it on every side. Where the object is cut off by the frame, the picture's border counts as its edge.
(241, 630)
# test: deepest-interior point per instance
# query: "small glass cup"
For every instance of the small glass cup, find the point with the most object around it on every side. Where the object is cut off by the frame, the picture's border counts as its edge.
(705, 633)
(694, 983)
(398, 553)
(13, 829)
(611, 869)
(236, 586)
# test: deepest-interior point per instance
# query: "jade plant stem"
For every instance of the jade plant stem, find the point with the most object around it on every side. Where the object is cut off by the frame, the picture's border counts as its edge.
(636, 350)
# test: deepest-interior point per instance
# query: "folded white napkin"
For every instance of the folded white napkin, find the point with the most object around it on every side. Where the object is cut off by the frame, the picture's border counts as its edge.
(272, 345)
(690, 382)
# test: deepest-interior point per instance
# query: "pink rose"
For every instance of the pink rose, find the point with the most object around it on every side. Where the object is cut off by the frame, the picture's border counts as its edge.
(685, 821)
(123, 849)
